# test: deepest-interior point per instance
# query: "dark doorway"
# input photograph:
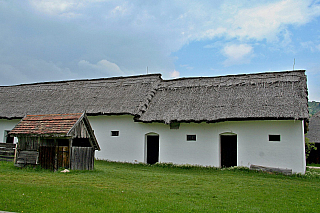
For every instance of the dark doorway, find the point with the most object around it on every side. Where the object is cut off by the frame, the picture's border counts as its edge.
(8, 138)
(54, 157)
(228, 150)
(152, 149)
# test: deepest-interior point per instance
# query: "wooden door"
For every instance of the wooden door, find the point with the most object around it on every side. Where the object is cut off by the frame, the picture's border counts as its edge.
(228, 150)
(63, 157)
(54, 157)
(47, 157)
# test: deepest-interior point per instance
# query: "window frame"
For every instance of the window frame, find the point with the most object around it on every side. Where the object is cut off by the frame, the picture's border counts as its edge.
(191, 137)
(115, 133)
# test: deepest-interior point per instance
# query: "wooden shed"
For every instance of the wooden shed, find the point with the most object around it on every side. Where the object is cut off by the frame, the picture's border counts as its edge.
(55, 141)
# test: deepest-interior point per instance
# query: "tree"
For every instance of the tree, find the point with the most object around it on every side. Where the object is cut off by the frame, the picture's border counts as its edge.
(309, 146)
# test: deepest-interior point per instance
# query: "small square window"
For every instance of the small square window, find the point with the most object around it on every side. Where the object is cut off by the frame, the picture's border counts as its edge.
(274, 137)
(114, 133)
(191, 138)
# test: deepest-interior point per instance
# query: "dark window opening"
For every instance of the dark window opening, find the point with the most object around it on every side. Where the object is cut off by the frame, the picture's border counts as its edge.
(191, 137)
(81, 142)
(274, 137)
(114, 133)
(63, 142)
(8, 138)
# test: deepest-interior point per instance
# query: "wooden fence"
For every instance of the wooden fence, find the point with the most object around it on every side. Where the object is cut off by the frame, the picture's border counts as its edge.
(7, 151)
(82, 158)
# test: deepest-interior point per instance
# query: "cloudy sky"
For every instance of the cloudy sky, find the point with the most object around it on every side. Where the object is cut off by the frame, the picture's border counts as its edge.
(51, 40)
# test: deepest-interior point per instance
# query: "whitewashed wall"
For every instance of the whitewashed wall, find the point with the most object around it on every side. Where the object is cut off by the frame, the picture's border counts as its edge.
(7, 125)
(253, 144)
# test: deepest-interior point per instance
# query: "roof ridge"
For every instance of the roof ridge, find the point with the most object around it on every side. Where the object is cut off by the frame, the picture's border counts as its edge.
(235, 75)
(85, 80)
(234, 80)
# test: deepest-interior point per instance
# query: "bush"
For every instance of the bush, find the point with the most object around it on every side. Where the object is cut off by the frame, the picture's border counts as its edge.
(309, 146)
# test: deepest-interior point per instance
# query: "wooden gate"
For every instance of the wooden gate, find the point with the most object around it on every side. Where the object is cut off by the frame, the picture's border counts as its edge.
(82, 158)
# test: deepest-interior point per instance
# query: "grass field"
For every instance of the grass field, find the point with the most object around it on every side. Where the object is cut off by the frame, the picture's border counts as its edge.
(117, 187)
(313, 164)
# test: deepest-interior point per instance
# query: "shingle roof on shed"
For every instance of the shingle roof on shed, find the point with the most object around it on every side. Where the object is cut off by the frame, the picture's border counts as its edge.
(59, 124)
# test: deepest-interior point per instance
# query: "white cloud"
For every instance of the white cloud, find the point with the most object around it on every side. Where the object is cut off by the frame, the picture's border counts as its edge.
(33, 70)
(57, 7)
(257, 20)
(136, 34)
(237, 54)
(186, 66)
(9, 75)
(174, 74)
(103, 68)
(312, 46)
(39, 69)
(177, 24)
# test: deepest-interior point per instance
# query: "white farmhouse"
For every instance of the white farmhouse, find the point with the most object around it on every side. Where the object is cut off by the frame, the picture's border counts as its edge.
(235, 120)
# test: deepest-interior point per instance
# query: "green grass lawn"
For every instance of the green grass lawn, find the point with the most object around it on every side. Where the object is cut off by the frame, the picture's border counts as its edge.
(117, 187)
(313, 164)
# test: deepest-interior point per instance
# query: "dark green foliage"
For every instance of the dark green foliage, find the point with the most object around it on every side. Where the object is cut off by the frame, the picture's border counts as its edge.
(309, 146)
(313, 107)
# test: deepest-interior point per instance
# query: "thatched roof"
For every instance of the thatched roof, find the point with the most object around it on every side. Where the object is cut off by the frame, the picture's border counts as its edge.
(277, 95)
(123, 95)
(314, 128)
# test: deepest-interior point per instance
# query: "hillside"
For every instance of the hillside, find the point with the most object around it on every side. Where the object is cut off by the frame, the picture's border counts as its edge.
(313, 107)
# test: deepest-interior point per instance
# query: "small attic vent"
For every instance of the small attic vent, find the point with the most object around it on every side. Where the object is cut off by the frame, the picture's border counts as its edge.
(174, 125)
(114, 133)
(274, 137)
(191, 137)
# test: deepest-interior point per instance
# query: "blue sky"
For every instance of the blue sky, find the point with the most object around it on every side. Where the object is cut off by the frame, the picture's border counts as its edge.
(60, 40)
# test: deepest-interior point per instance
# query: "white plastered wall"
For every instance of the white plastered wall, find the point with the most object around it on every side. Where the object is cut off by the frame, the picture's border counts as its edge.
(253, 143)
(7, 125)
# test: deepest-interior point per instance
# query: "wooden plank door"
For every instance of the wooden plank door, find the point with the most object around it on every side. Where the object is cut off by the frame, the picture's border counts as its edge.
(47, 157)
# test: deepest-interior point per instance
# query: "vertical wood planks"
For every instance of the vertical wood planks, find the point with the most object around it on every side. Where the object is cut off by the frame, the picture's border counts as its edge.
(82, 158)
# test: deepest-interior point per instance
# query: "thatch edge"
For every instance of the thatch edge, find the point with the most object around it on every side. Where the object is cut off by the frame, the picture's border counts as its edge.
(78, 80)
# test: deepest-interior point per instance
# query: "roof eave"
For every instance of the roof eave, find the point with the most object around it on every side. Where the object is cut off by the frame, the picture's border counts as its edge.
(220, 120)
